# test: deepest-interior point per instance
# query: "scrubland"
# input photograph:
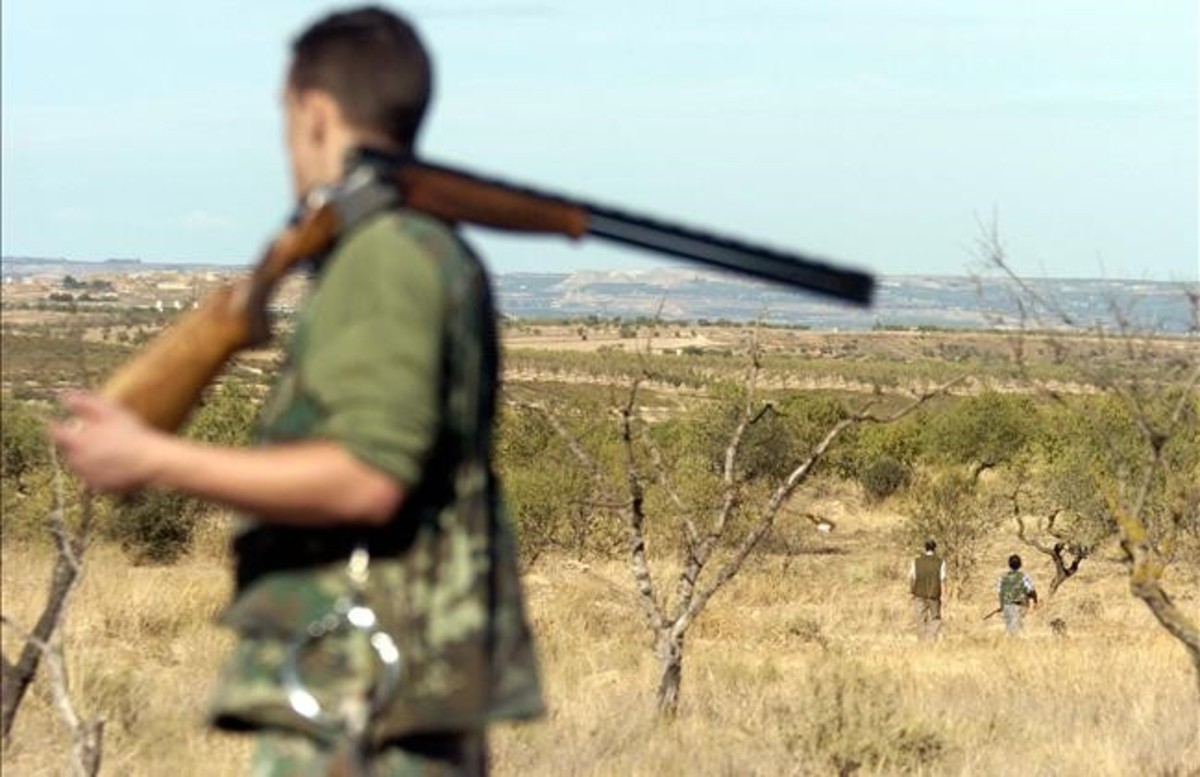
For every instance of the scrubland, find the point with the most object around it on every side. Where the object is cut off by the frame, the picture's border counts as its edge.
(805, 664)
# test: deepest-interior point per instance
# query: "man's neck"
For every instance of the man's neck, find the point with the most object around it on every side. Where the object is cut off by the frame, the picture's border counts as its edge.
(350, 146)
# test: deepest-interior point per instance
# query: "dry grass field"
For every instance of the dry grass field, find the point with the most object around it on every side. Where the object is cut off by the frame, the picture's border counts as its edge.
(805, 664)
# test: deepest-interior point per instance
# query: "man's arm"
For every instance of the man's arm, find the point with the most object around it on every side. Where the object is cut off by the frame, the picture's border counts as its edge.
(312, 483)
(372, 364)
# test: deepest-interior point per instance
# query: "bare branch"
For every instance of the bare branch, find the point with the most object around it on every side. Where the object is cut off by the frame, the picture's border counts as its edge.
(86, 737)
(1031, 542)
(18, 676)
(636, 518)
(765, 522)
(1145, 573)
(730, 498)
(990, 248)
(700, 554)
(1057, 553)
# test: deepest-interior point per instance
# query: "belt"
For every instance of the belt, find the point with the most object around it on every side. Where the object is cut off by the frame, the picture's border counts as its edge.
(268, 549)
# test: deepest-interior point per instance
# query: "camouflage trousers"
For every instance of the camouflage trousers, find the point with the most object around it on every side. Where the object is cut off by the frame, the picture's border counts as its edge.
(284, 754)
(1013, 613)
(928, 613)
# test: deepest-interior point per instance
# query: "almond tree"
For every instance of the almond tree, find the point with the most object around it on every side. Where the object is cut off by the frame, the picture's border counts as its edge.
(1064, 554)
(1145, 427)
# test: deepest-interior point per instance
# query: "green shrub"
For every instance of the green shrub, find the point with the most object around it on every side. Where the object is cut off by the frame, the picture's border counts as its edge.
(226, 417)
(946, 506)
(982, 431)
(155, 527)
(24, 446)
(550, 495)
(883, 477)
(26, 495)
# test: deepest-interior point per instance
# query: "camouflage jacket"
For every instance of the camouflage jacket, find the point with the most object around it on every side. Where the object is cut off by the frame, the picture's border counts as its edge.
(442, 580)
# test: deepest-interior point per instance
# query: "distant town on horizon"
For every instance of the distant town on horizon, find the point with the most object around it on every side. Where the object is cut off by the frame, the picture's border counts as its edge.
(676, 292)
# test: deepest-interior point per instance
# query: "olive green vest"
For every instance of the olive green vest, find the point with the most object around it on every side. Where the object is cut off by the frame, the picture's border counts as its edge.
(928, 581)
(443, 576)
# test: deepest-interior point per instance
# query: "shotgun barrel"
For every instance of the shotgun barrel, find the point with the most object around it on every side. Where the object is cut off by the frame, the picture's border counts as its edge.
(165, 380)
(459, 196)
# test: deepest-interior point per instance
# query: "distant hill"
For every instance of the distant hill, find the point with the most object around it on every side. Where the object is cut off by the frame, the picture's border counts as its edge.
(951, 302)
(900, 301)
(22, 266)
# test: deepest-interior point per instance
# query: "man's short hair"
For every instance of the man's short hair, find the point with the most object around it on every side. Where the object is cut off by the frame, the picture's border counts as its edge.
(930, 545)
(1014, 562)
(371, 62)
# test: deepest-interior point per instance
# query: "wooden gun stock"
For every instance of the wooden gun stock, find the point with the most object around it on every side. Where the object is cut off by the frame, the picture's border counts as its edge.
(164, 381)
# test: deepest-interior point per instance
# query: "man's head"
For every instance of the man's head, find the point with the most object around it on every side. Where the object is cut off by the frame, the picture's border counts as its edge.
(930, 546)
(359, 77)
(1014, 562)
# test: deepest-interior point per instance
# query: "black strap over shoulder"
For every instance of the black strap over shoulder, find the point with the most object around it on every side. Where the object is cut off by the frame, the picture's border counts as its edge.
(369, 187)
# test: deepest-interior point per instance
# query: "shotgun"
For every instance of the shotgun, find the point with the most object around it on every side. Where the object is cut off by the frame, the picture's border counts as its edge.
(164, 381)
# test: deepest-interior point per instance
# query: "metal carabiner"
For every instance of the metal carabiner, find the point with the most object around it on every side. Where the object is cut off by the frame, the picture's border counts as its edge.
(349, 612)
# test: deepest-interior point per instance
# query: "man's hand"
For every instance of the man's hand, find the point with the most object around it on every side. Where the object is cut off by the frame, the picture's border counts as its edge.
(106, 445)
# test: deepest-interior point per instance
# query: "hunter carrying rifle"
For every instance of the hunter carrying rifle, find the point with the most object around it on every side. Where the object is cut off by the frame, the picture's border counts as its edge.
(1016, 592)
(373, 538)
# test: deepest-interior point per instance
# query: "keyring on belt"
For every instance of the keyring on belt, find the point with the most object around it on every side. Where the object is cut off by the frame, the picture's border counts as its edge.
(348, 612)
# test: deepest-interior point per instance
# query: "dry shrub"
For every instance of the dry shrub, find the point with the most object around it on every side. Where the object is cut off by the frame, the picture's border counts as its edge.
(850, 717)
(118, 693)
(808, 631)
(1089, 606)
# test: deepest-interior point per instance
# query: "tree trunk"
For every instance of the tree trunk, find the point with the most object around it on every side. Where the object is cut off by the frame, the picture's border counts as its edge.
(670, 662)
(1171, 617)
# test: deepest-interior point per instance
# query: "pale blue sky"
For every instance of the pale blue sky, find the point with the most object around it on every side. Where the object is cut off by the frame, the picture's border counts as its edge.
(872, 132)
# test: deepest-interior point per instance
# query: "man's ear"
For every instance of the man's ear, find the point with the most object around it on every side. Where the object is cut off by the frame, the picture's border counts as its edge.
(309, 113)
(324, 115)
